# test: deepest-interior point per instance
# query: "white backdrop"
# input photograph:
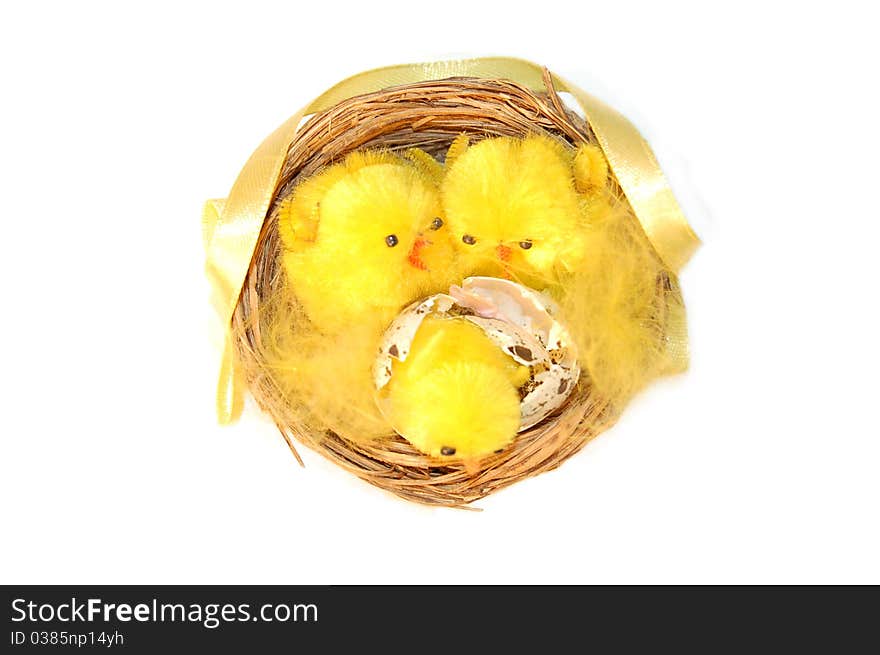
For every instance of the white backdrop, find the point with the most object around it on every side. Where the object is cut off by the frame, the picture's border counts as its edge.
(758, 465)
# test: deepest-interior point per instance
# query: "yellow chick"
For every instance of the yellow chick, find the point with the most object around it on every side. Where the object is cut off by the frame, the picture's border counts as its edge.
(517, 207)
(363, 238)
(457, 393)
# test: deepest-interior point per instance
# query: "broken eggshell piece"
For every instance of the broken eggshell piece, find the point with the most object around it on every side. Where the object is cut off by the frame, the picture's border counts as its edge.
(517, 319)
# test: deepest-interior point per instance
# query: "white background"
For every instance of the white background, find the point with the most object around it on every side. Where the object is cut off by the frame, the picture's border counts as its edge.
(758, 465)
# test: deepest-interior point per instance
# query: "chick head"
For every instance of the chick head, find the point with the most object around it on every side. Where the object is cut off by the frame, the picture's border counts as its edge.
(514, 206)
(359, 237)
(380, 218)
(457, 393)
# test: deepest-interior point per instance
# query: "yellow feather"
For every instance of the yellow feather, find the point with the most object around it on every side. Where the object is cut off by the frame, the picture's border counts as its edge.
(429, 167)
(590, 169)
(457, 148)
(624, 310)
(320, 382)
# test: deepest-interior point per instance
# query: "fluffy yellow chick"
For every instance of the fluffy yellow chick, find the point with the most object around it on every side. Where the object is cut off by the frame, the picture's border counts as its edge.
(363, 238)
(457, 393)
(517, 208)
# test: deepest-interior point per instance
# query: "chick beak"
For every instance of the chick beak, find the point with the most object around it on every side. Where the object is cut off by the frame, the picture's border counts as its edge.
(504, 253)
(413, 257)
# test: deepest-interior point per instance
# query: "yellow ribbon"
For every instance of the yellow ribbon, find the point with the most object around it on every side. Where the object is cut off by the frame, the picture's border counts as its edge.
(232, 226)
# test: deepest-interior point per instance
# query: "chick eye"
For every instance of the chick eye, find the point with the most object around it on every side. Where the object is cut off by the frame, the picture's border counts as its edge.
(447, 450)
(525, 245)
(391, 240)
(468, 239)
(437, 223)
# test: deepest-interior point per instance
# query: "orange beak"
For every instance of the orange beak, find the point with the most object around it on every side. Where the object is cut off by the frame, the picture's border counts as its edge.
(504, 253)
(413, 257)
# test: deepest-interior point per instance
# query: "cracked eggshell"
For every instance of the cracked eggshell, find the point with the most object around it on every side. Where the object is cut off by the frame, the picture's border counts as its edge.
(517, 319)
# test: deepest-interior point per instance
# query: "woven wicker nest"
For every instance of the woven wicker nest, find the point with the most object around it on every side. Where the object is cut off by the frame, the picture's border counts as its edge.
(428, 115)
